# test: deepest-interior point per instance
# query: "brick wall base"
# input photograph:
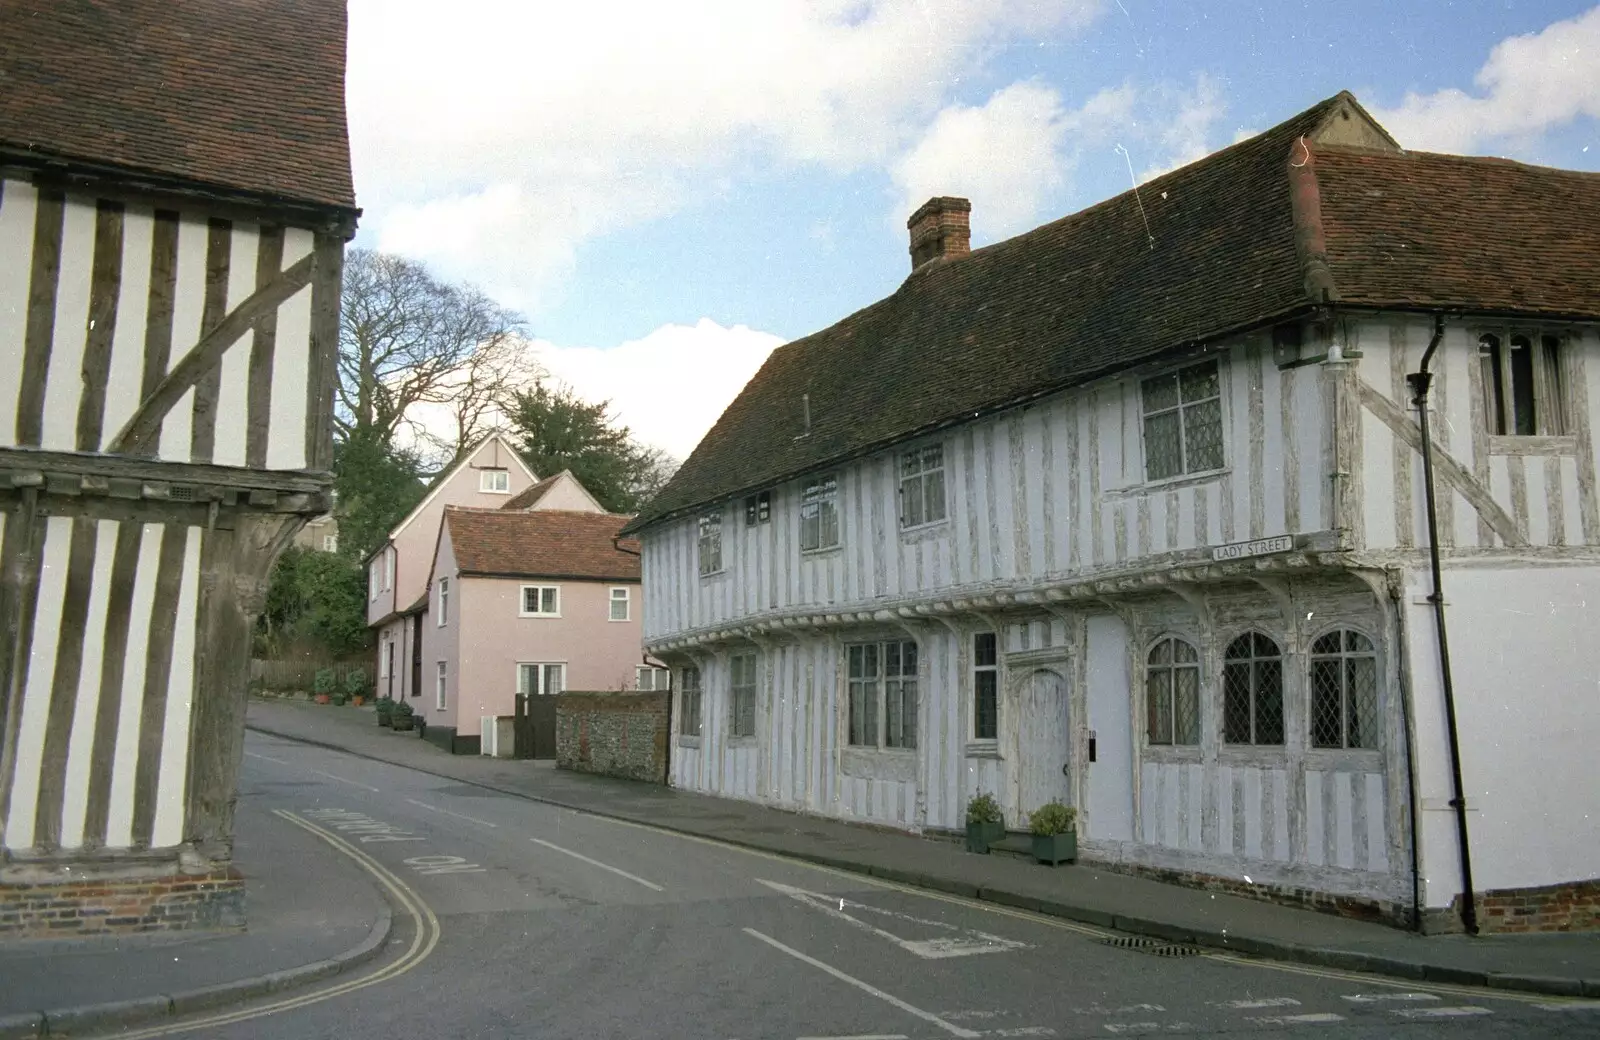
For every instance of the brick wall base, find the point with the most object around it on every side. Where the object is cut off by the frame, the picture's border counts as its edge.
(120, 906)
(1572, 907)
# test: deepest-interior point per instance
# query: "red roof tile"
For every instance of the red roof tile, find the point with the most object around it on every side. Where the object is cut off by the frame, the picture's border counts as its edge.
(529, 496)
(239, 94)
(544, 543)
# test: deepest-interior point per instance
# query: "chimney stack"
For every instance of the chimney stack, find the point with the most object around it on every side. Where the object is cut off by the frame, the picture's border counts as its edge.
(940, 229)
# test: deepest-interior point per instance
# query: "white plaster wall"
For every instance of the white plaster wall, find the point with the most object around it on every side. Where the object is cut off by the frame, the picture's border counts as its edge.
(1526, 667)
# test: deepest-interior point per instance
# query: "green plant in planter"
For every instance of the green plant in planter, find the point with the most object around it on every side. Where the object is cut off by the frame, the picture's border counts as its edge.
(1055, 835)
(401, 718)
(356, 685)
(322, 685)
(985, 823)
(385, 710)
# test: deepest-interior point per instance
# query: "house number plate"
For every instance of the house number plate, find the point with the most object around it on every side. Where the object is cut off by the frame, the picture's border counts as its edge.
(1259, 547)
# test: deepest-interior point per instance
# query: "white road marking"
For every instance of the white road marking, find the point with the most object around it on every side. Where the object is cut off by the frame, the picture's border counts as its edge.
(1100, 1009)
(1444, 1012)
(447, 812)
(1319, 1018)
(859, 1036)
(596, 863)
(865, 987)
(1571, 1005)
(342, 780)
(266, 758)
(1380, 998)
(964, 944)
(1264, 1002)
(1129, 1027)
(1025, 1031)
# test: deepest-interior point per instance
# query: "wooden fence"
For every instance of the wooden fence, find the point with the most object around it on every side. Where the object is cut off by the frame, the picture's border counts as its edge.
(298, 674)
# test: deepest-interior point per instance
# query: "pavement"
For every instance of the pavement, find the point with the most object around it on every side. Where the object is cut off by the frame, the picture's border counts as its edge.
(310, 914)
(1556, 964)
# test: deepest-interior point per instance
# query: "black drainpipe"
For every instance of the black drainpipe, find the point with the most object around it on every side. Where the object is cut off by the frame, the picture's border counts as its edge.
(1420, 381)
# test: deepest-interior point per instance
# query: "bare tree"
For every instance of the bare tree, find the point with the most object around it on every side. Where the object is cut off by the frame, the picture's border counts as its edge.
(409, 343)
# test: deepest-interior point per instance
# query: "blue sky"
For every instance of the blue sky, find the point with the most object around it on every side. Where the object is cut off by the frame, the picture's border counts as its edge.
(668, 191)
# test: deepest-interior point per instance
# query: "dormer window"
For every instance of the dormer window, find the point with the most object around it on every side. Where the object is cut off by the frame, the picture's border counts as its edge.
(494, 481)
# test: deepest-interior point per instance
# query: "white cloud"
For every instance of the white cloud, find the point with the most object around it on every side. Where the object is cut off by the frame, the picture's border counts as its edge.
(1529, 85)
(492, 138)
(670, 386)
(1014, 155)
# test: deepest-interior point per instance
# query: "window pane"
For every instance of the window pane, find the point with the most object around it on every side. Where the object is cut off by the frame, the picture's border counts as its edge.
(547, 600)
(869, 660)
(1269, 702)
(1236, 703)
(1328, 643)
(903, 733)
(1160, 392)
(910, 463)
(893, 718)
(1186, 706)
(1162, 454)
(830, 524)
(891, 658)
(527, 678)
(553, 679)
(1361, 698)
(1162, 654)
(1327, 702)
(911, 504)
(1240, 648)
(985, 705)
(1522, 386)
(933, 491)
(810, 526)
(1158, 705)
(1202, 436)
(1552, 400)
(1184, 653)
(1493, 392)
(1198, 382)
(983, 651)
(856, 665)
(1265, 647)
(908, 659)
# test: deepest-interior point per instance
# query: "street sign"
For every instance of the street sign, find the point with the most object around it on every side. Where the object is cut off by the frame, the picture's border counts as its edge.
(1259, 547)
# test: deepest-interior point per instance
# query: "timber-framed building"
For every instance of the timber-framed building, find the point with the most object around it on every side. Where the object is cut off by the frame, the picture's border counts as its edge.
(175, 197)
(1129, 511)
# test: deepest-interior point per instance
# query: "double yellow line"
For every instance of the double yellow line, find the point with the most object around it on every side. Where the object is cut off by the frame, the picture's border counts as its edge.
(425, 936)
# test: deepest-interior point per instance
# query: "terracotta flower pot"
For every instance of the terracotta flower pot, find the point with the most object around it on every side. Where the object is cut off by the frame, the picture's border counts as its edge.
(321, 698)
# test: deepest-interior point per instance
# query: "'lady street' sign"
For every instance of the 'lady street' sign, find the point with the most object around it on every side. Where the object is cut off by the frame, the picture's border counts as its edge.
(1259, 547)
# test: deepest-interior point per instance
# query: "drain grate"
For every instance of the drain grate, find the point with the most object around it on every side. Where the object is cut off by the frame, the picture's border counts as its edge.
(1154, 947)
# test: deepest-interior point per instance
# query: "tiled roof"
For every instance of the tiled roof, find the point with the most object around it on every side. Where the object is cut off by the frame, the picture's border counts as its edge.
(239, 94)
(542, 543)
(1197, 254)
(529, 497)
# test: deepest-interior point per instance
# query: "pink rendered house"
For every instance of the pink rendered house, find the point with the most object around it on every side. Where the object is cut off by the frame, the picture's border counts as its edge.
(482, 672)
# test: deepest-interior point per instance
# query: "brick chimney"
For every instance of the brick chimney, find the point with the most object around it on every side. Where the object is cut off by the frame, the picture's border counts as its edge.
(940, 228)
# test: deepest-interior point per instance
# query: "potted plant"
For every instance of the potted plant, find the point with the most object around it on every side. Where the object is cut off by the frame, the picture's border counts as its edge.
(355, 684)
(322, 685)
(402, 716)
(385, 710)
(1055, 835)
(985, 824)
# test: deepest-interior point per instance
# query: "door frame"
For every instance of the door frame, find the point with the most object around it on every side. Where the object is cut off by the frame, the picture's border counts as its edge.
(1019, 669)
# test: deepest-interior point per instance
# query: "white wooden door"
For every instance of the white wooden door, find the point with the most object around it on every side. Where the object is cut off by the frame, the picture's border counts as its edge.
(1108, 782)
(1044, 743)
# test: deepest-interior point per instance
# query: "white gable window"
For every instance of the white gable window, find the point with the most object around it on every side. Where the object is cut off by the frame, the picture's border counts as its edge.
(541, 601)
(330, 543)
(495, 481)
(650, 680)
(444, 602)
(819, 514)
(710, 543)
(922, 486)
(388, 568)
(1182, 422)
(619, 603)
(538, 679)
(372, 579)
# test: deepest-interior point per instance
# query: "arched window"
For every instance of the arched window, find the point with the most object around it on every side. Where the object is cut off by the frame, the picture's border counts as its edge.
(1172, 693)
(1344, 691)
(1252, 691)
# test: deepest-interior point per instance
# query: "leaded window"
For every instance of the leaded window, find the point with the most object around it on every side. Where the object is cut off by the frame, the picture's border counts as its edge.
(882, 694)
(742, 685)
(689, 701)
(710, 543)
(985, 687)
(819, 514)
(922, 486)
(1522, 385)
(1183, 422)
(1344, 691)
(1172, 693)
(1252, 691)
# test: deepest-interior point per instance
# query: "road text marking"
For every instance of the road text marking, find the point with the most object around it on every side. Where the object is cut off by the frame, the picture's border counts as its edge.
(1444, 1012)
(1571, 1005)
(865, 987)
(1317, 1018)
(1380, 998)
(443, 865)
(596, 863)
(447, 812)
(960, 945)
(1264, 1002)
(361, 824)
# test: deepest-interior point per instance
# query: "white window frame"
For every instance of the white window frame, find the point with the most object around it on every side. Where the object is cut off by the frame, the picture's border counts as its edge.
(691, 701)
(372, 580)
(388, 568)
(758, 508)
(441, 678)
(383, 656)
(819, 506)
(541, 672)
(708, 543)
(924, 491)
(626, 599)
(744, 693)
(330, 543)
(522, 601)
(656, 676)
(444, 602)
(990, 669)
(1181, 408)
(493, 481)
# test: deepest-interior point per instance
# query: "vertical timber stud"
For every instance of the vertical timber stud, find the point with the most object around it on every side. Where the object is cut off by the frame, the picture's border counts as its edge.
(258, 418)
(322, 367)
(19, 595)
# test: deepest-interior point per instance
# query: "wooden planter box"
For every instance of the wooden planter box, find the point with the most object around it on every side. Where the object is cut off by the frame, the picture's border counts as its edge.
(981, 835)
(1055, 848)
(402, 722)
